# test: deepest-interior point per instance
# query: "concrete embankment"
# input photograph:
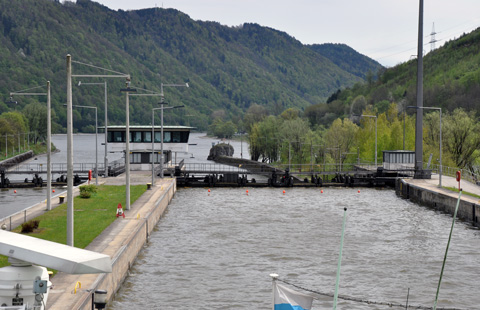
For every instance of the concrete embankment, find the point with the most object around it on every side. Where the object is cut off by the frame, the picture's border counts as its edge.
(252, 164)
(429, 194)
(122, 241)
(15, 160)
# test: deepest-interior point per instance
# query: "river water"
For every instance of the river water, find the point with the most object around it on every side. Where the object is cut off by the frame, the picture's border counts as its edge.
(216, 250)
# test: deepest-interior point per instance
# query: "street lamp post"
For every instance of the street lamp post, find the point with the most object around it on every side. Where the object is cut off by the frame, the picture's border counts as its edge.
(127, 143)
(440, 170)
(96, 138)
(128, 90)
(161, 129)
(373, 116)
(153, 144)
(49, 137)
(105, 159)
(70, 134)
(161, 138)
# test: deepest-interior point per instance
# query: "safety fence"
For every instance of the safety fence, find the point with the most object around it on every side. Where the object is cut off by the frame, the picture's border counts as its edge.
(363, 300)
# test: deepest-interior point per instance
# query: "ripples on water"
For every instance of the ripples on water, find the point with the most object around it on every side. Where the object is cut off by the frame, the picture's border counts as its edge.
(216, 251)
(12, 202)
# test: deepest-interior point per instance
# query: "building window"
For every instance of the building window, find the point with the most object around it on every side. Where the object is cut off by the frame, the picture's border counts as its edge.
(135, 158)
(167, 136)
(118, 136)
(176, 136)
(137, 136)
(147, 136)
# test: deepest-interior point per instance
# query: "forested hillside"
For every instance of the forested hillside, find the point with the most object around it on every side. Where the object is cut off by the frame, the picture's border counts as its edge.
(348, 59)
(228, 68)
(326, 131)
(451, 80)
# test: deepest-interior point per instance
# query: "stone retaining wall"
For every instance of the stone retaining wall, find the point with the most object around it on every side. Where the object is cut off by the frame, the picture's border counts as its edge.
(7, 163)
(125, 257)
(467, 211)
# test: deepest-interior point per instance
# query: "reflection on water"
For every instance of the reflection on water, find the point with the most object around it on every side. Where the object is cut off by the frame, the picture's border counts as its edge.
(216, 251)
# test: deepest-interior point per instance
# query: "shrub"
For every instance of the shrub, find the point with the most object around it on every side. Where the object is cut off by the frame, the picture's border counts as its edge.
(87, 190)
(29, 226)
(91, 188)
(85, 194)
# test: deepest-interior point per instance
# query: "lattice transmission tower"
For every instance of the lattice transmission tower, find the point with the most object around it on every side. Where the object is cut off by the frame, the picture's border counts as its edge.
(432, 38)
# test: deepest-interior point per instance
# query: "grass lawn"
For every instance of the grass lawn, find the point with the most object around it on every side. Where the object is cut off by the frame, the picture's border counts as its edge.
(463, 192)
(91, 216)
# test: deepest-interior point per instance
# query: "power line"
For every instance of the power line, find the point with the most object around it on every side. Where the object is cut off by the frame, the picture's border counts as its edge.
(432, 41)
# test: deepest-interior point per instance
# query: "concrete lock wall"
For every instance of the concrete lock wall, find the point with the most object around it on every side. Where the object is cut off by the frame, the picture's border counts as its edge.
(468, 209)
(125, 257)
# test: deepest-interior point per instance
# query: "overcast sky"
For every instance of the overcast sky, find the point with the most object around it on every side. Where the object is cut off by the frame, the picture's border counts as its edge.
(385, 30)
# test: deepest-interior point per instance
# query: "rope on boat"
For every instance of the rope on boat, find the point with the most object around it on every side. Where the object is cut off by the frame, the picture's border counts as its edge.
(354, 299)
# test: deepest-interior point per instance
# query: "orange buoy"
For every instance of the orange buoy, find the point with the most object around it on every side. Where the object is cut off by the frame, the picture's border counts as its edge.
(209, 190)
(321, 191)
(359, 191)
(247, 192)
(284, 192)
(14, 191)
(53, 191)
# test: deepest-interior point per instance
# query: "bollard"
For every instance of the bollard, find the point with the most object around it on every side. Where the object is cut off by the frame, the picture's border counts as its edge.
(149, 185)
(61, 199)
(77, 285)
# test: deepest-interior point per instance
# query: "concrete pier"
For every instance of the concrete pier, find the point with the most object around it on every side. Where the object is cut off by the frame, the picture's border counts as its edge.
(426, 192)
(122, 241)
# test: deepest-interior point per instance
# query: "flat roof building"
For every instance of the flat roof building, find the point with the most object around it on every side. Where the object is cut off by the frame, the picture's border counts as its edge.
(398, 160)
(175, 140)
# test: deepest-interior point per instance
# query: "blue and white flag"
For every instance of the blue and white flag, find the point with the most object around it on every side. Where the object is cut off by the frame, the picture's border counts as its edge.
(288, 299)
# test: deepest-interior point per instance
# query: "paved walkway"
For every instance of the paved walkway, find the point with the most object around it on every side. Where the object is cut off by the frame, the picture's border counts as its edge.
(110, 242)
(432, 185)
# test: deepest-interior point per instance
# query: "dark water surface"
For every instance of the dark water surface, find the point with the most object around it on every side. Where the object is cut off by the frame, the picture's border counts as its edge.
(216, 251)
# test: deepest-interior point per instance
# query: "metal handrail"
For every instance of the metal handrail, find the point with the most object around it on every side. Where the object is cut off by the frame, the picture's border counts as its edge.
(466, 174)
(42, 168)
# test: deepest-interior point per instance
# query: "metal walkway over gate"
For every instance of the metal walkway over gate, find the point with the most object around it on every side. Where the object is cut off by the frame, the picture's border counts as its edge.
(114, 168)
(247, 169)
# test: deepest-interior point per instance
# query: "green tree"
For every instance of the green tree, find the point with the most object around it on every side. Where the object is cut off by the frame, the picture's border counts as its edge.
(254, 114)
(254, 142)
(341, 138)
(6, 135)
(14, 125)
(316, 113)
(227, 130)
(462, 137)
(36, 115)
(293, 134)
(17, 121)
(290, 114)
